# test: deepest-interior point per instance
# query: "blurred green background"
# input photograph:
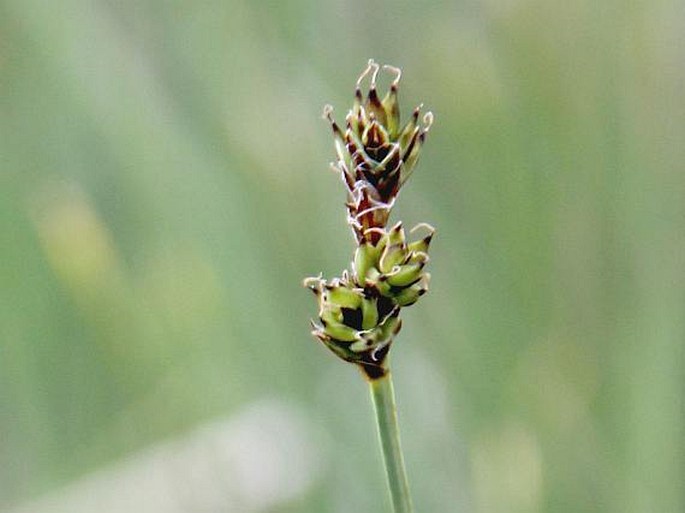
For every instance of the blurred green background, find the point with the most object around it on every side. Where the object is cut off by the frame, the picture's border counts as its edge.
(164, 188)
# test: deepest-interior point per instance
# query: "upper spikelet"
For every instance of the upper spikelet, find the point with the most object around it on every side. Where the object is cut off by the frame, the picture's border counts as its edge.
(375, 153)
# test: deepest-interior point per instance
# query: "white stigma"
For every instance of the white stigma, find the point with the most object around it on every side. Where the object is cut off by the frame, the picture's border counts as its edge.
(396, 71)
(368, 69)
(428, 119)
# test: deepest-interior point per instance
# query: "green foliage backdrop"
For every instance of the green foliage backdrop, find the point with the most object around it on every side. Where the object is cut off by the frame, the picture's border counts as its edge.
(164, 188)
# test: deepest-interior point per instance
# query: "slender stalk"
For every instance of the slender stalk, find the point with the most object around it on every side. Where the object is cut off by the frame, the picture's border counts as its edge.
(383, 396)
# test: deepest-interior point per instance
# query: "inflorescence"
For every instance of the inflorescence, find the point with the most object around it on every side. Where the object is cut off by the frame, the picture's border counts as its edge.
(359, 312)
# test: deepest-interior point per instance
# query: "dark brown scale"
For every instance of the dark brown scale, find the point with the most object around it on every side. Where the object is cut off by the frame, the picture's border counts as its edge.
(395, 162)
(415, 114)
(372, 363)
(364, 199)
(360, 123)
(376, 107)
(376, 218)
(362, 168)
(349, 180)
(378, 153)
(367, 221)
(361, 164)
(369, 176)
(356, 153)
(396, 289)
(352, 317)
(410, 147)
(385, 177)
(350, 146)
(384, 305)
(374, 100)
(336, 129)
(375, 138)
(388, 188)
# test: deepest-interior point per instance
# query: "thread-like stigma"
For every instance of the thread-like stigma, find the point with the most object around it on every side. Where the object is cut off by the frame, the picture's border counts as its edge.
(374, 75)
(397, 72)
(370, 66)
(422, 225)
(428, 119)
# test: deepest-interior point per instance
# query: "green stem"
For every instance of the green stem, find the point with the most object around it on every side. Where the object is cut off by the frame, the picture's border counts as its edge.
(383, 396)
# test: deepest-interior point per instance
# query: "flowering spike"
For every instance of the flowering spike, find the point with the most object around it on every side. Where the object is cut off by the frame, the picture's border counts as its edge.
(359, 312)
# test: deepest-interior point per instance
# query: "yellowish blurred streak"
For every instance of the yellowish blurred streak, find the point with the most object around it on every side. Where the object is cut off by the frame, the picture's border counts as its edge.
(77, 244)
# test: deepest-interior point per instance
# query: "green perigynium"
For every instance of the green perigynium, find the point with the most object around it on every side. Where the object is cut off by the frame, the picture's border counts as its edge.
(359, 312)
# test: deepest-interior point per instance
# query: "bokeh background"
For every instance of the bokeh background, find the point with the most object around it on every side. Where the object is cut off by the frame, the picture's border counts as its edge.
(164, 188)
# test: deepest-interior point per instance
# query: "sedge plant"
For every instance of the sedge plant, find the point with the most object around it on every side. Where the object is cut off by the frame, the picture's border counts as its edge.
(359, 312)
